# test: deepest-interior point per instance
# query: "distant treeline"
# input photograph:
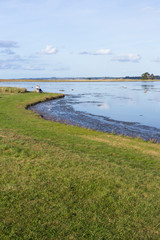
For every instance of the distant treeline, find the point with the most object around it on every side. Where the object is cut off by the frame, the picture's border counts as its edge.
(93, 78)
(127, 77)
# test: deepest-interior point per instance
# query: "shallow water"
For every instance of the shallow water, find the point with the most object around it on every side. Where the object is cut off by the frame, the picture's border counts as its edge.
(128, 108)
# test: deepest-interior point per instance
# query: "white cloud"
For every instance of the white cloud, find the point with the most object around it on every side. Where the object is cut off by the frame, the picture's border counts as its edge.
(16, 62)
(14, 59)
(84, 53)
(102, 52)
(8, 44)
(32, 67)
(49, 50)
(7, 65)
(97, 52)
(127, 58)
(7, 51)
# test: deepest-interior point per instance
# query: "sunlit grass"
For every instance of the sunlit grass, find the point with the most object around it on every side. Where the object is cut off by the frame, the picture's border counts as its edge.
(12, 90)
(66, 182)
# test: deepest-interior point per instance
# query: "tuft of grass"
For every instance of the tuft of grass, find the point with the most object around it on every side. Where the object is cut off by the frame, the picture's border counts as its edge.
(12, 90)
(65, 182)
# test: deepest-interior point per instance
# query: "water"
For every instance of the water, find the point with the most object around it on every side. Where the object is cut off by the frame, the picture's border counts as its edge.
(128, 108)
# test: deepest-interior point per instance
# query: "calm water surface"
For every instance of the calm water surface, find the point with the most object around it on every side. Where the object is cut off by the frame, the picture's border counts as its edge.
(129, 108)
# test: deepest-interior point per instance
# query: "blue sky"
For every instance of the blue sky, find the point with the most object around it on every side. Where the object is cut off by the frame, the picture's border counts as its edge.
(79, 38)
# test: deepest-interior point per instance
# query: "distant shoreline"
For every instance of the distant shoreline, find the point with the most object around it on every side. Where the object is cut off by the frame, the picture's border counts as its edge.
(79, 80)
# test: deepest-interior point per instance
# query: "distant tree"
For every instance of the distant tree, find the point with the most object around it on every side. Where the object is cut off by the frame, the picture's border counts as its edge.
(152, 76)
(146, 76)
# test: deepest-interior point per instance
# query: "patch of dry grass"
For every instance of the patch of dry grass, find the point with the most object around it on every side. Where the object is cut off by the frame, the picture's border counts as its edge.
(12, 90)
(147, 148)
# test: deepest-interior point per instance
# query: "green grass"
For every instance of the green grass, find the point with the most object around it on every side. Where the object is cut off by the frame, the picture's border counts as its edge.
(65, 182)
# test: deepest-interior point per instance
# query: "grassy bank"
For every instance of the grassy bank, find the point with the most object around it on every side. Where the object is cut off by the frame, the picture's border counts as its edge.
(65, 182)
(12, 90)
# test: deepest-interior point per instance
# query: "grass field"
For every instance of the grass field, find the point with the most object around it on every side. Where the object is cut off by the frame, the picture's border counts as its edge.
(65, 182)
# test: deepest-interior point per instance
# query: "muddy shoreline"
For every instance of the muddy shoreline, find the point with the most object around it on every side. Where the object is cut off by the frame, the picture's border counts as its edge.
(61, 110)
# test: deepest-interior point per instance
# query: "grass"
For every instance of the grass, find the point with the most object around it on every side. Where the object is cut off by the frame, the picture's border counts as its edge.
(66, 182)
(12, 90)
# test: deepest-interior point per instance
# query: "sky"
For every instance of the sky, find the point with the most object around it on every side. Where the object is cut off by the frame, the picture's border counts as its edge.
(79, 38)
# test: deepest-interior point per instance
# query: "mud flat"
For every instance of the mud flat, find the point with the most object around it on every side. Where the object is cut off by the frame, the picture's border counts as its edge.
(61, 110)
